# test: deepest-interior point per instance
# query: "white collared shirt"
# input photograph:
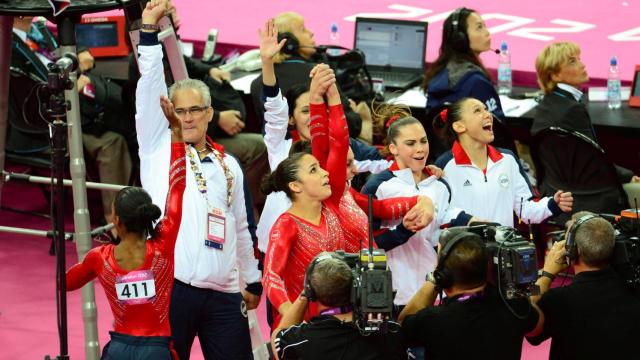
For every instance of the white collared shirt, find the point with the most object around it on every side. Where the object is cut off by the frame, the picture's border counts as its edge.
(195, 263)
(577, 94)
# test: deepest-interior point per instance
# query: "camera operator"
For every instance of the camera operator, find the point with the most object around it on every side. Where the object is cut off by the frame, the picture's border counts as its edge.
(332, 335)
(473, 321)
(597, 316)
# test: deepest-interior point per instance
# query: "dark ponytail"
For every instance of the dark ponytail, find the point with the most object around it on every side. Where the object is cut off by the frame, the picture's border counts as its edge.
(136, 211)
(286, 172)
(445, 119)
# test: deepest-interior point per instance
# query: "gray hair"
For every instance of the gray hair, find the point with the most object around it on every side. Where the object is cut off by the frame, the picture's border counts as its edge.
(194, 84)
(595, 240)
(331, 281)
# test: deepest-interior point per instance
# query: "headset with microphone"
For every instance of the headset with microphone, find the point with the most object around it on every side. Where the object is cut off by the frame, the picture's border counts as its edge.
(571, 246)
(309, 292)
(458, 37)
(292, 45)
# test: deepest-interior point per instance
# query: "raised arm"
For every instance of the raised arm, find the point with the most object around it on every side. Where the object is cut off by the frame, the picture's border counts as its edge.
(150, 121)
(276, 114)
(337, 158)
(322, 78)
(170, 224)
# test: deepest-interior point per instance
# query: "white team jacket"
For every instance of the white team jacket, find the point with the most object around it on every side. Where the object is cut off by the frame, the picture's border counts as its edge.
(412, 261)
(495, 194)
(195, 263)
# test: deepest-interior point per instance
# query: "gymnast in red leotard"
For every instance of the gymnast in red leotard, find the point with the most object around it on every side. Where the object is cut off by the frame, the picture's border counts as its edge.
(137, 273)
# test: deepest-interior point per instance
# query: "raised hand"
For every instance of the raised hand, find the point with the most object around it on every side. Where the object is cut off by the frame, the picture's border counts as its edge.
(154, 11)
(322, 77)
(174, 120)
(269, 45)
(436, 171)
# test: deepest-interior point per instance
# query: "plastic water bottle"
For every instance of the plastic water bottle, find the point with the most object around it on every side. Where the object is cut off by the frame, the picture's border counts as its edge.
(334, 39)
(504, 70)
(613, 85)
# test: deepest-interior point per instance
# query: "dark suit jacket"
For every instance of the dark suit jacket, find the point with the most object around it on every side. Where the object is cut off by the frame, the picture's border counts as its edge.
(560, 109)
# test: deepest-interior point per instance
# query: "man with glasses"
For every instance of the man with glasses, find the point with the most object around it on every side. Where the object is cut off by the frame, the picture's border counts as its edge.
(213, 247)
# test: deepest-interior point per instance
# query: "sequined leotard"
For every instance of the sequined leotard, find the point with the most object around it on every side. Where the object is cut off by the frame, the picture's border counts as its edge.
(139, 299)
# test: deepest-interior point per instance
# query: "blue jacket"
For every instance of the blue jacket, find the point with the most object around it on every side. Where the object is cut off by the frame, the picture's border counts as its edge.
(474, 84)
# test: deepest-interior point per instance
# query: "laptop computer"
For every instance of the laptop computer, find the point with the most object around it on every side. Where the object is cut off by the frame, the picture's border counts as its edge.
(394, 49)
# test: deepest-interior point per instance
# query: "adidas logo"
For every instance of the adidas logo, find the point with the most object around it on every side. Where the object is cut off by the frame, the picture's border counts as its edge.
(467, 183)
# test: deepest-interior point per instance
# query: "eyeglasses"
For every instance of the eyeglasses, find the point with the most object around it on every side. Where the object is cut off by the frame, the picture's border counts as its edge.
(195, 111)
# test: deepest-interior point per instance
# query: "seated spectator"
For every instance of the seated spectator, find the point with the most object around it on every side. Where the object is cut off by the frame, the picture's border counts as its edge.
(331, 335)
(597, 316)
(473, 321)
(293, 63)
(99, 104)
(458, 71)
(561, 75)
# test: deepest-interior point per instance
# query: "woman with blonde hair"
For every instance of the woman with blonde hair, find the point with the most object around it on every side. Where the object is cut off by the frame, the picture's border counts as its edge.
(561, 75)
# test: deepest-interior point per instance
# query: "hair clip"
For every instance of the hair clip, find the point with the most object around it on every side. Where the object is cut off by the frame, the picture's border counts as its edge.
(391, 121)
(443, 116)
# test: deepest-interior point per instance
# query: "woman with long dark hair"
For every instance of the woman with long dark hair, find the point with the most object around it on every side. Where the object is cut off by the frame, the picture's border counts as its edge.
(487, 181)
(458, 71)
(136, 271)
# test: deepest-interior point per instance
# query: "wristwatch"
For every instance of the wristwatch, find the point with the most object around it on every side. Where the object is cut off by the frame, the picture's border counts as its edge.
(541, 273)
(150, 27)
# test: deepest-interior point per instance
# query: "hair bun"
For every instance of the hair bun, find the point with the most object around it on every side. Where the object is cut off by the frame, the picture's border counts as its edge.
(149, 212)
(269, 184)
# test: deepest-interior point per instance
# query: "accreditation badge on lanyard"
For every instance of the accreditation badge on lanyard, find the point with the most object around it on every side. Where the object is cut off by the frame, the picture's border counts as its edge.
(216, 229)
(216, 220)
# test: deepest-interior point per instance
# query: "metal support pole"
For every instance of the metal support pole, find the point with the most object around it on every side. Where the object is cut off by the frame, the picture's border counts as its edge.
(8, 176)
(67, 39)
(6, 25)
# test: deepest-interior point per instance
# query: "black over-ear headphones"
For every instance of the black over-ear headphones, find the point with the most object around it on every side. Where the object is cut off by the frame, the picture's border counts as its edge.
(458, 37)
(292, 45)
(309, 293)
(571, 247)
(442, 275)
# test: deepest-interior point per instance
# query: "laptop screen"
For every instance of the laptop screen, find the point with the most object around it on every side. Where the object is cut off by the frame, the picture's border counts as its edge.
(399, 44)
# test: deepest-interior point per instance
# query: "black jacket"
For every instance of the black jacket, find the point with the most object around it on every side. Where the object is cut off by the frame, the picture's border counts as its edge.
(560, 109)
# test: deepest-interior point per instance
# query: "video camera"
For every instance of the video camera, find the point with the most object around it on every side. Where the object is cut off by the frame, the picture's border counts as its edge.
(626, 252)
(372, 289)
(514, 266)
